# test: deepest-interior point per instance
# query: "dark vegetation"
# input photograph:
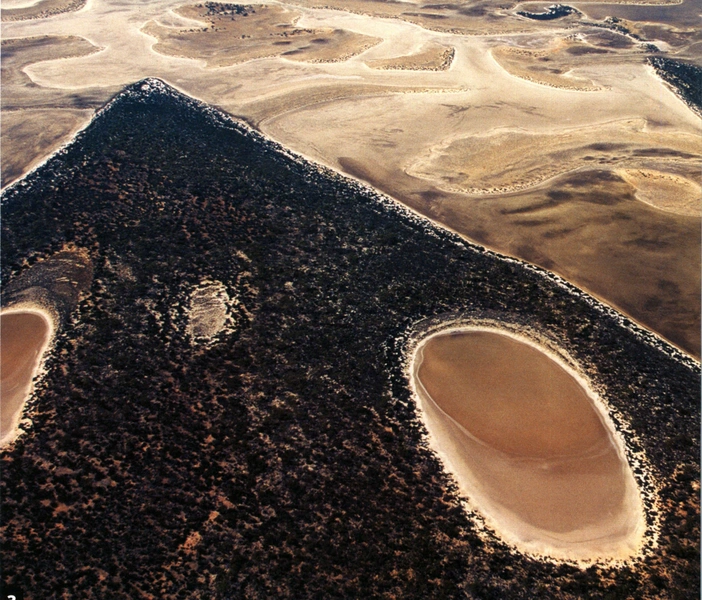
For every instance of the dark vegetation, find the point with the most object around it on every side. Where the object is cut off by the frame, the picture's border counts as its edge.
(615, 34)
(218, 8)
(286, 460)
(556, 11)
(41, 10)
(685, 78)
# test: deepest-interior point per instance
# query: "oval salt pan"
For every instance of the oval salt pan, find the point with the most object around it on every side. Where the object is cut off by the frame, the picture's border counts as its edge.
(24, 337)
(528, 445)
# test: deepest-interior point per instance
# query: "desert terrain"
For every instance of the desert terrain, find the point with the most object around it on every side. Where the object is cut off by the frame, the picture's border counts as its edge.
(548, 137)
(227, 410)
(234, 377)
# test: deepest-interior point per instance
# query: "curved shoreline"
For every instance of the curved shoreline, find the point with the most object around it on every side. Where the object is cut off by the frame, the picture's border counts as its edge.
(524, 537)
(606, 306)
(11, 428)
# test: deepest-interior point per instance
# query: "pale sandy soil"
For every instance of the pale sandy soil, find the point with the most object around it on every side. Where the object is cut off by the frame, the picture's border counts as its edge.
(20, 11)
(479, 19)
(24, 336)
(409, 132)
(208, 311)
(20, 52)
(19, 3)
(35, 120)
(33, 134)
(666, 191)
(258, 32)
(434, 57)
(538, 66)
(528, 446)
(503, 160)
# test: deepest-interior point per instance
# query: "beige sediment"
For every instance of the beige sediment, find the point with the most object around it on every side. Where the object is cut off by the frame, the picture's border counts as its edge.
(209, 312)
(16, 388)
(668, 192)
(476, 465)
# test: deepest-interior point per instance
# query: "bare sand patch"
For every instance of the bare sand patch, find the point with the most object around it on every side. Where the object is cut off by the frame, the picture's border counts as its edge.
(235, 33)
(258, 111)
(19, 92)
(19, 52)
(35, 133)
(40, 10)
(546, 67)
(208, 312)
(24, 336)
(683, 14)
(36, 120)
(666, 191)
(505, 161)
(433, 57)
(529, 444)
(19, 3)
(480, 18)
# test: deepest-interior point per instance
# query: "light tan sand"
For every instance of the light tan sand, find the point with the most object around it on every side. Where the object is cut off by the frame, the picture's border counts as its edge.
(504, 161)
(541, 66)
(24, 337)
(258, 32)
(19, 3)
(39, 10)
(209, 311)
(666, 191)
(528, 445)
(433, 57)
(33, 133)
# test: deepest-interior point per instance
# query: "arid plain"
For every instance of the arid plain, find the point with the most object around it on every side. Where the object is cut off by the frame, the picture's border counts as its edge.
(550, 140)
(227, 404)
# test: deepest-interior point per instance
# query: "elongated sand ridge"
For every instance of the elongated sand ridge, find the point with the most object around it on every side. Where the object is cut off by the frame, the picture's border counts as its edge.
(24, 336)
(529, 445)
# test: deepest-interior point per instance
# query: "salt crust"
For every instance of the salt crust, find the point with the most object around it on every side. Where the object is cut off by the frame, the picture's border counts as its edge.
(51, 320)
